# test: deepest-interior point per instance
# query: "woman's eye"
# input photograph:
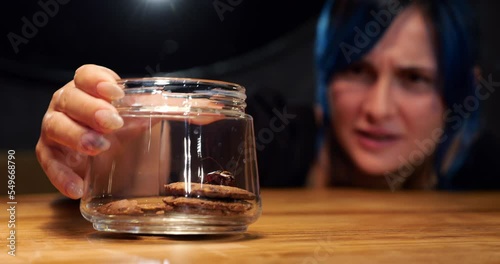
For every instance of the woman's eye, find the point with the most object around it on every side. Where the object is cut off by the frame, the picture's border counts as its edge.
(358, 72)
(356, 69)
(415, 78)
(417, 82)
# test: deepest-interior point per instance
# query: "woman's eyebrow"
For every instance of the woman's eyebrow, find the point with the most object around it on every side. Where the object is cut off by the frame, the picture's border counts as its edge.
(361, 62)
(418, 68)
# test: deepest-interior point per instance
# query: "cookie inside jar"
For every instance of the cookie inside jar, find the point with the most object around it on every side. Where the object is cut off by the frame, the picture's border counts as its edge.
(192, 198)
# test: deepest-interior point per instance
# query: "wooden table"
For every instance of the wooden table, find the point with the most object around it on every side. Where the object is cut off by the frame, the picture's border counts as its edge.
(297, 226)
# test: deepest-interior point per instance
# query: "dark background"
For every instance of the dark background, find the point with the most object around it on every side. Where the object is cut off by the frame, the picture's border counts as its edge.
(264, 45)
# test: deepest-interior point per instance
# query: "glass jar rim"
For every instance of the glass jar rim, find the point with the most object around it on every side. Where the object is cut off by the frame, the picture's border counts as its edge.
(187, 95)
(182, 85)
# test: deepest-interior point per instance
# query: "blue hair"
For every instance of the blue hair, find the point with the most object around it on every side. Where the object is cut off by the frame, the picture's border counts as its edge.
(451, 20)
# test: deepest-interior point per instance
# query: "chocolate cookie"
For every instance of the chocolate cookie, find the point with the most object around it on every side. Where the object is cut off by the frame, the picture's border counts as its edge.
(203, 206)
(120, 207)
(135, 207)
(153, 207)
(208, 191)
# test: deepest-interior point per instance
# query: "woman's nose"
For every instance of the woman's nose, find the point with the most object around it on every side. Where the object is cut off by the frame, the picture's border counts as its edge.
(379, 103)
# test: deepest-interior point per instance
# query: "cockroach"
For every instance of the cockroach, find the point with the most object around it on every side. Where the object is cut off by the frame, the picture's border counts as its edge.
(219, 177)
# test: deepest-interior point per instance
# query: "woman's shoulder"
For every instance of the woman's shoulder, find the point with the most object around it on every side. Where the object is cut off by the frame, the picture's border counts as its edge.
(481, 169)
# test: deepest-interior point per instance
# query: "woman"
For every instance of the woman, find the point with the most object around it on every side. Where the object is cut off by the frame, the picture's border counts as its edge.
(392, 77)
(387, 73)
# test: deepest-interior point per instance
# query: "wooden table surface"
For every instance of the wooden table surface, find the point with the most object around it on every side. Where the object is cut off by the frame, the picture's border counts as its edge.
(297, 226)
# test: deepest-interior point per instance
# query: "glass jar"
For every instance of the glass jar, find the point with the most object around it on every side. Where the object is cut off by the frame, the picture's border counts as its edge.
(183, 163)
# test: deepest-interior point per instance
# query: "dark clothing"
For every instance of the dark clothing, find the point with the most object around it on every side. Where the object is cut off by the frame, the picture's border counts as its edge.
(480, 170)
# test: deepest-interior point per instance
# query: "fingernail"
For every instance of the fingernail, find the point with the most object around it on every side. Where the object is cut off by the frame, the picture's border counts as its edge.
(108, 119)
(74, 190)
(92, 141)
(109, 90)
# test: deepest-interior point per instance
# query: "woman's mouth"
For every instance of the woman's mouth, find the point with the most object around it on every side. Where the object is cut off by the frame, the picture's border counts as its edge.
(376, 139)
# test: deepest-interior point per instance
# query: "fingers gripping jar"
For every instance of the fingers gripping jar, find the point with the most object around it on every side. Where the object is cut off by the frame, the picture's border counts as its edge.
(183, 163)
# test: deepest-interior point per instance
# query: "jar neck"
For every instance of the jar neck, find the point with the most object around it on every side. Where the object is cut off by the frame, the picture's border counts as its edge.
(181, 95)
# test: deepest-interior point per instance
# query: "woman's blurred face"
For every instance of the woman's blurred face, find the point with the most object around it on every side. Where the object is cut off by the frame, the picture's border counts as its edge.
(385, 108)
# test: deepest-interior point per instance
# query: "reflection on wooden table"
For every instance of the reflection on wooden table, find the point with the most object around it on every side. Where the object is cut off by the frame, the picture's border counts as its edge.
(297, 226)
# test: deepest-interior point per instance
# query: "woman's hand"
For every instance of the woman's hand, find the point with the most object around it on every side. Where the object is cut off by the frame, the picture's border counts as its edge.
(73, 126)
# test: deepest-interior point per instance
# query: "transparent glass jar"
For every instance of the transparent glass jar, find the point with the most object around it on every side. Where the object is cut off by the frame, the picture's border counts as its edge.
(183, 163)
